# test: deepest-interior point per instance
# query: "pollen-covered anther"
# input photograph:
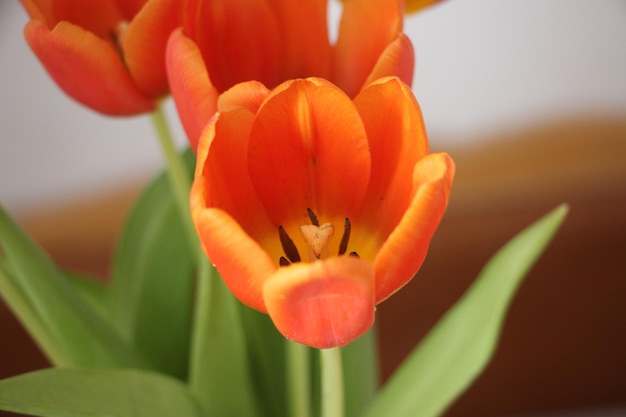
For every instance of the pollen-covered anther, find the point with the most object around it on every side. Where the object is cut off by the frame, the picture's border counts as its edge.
(317, 237)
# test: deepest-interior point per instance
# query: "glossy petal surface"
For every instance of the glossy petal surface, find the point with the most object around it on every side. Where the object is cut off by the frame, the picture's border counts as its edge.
(322, 304)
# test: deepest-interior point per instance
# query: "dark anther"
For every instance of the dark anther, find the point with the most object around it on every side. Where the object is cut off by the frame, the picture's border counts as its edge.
(343, 245)
(288, 246)
(313, 217)
(283, 261)
(354, 254)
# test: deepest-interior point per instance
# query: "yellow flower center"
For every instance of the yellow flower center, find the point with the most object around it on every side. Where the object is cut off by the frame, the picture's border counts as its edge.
(316, 237)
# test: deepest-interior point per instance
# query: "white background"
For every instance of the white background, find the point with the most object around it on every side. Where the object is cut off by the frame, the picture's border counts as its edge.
(483, 66)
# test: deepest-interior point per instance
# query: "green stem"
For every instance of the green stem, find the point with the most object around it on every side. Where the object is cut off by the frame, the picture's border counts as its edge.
(299, 377)
(178, 173)
(332, 383)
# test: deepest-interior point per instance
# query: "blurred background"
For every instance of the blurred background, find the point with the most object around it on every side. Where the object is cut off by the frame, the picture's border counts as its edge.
(529, 97)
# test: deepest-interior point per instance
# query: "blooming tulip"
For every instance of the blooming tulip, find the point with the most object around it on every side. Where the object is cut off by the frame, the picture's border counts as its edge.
(313, 206)
(225, 42)
(106, 54)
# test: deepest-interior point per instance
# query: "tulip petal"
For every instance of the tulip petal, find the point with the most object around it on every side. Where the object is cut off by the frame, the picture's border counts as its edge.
(249, 95)
(398, 59)
(100, 17)
(144, 43)
(413, 6)
(397, 140)
(366, 28)
(304, 37)
(322, 304)
(225, 211)
(308, 149)
(87, 68)
(403, 253)
(241, 262)
(227, 183)
(192, 90)
(238, 39)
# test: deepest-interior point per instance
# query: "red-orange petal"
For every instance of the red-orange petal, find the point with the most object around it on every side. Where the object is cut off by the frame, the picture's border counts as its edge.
(194, 94)
(144, 42)
(87, 68)
(249, 95)
(398, 59)
(238, 39)
(304, 37)
(404, 251)
(397, 140)
(322, 304)
(225, 210)
(413, 6)
(308, 149)
(366, 29)
(242, 263)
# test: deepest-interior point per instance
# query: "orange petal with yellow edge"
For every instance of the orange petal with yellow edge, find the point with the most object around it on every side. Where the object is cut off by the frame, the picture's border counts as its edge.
(87, 68)
(194, 94)
(398, 59)
(308, 149)
(144, 41)
(366, 29)
(403, 253)
(322, 304)
(397, 140)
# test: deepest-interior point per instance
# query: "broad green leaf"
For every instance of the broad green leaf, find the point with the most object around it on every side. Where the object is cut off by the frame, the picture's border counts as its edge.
(63, 392)
(92, 290)
(266, 349)
(458, 348)
(18, 302)
(152, 281)
(220, 374)
(361, 372)
(75, 335)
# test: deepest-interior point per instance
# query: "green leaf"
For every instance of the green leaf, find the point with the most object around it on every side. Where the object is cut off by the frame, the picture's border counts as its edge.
(151, 288)
(93, 291)
(60, 392)
(67, 328)
(220, 372)
(266, 350)
(454, 353)
(361, 373)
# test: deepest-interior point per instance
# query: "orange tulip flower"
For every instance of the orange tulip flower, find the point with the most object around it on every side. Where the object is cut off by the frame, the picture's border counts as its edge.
(225, 42)
(315, 207)
(106, 54)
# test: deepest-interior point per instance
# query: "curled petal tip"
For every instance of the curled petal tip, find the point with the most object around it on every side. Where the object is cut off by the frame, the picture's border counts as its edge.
(324, 304)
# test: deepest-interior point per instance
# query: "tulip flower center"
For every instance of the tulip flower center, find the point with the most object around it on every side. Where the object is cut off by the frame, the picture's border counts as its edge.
(316, 237)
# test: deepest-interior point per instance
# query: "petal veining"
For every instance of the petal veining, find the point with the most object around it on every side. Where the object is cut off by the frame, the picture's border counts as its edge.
(308, 149)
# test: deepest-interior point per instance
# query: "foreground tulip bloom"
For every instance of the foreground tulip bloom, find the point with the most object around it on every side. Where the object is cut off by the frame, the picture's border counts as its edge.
(272, 41)
(315, 207)
(106, 54)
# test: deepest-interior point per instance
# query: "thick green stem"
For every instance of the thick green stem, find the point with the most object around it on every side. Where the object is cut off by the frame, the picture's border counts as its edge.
(177, 172)
(332, 383)
(299, 379)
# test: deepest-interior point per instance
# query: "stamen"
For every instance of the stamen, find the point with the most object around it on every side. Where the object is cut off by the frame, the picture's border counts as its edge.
(317, 238)
(354, 254)
(283, 261)
(313, 217)
(289, 247)
(343, 245)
